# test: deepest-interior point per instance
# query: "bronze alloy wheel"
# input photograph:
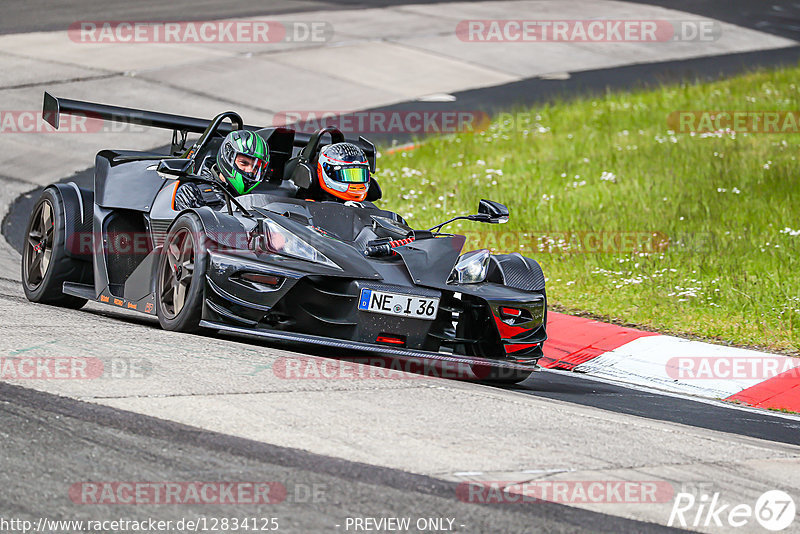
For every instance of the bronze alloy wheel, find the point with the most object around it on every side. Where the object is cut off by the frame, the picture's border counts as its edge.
(46, 260)
(176, 274)
(39, 245)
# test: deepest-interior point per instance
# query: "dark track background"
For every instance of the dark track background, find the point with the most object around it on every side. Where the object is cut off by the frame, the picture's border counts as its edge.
(20, 16)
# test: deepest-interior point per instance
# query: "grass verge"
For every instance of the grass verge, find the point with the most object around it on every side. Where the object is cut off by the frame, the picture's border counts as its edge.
(693, 234)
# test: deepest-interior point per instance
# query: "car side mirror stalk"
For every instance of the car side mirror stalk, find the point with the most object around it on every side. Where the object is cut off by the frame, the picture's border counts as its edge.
(489, 211)
(178, 167)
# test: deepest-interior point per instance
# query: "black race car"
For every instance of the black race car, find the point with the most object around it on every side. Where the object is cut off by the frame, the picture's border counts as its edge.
(349, 276)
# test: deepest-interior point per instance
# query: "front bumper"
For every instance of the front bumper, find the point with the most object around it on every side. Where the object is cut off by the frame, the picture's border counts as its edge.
(417, 361)
(318, 309)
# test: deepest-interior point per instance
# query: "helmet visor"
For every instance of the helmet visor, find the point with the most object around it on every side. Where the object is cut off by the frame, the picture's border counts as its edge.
(348, 175)
(251, 167)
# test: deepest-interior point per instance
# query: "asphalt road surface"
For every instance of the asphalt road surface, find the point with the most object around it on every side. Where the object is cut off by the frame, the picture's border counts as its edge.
(50, 444)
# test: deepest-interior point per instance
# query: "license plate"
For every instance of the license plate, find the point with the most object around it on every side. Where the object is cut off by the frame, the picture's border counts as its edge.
(396, 304)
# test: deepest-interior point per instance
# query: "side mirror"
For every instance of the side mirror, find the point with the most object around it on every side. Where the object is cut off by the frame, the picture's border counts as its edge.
(175, 167)
(494, 211)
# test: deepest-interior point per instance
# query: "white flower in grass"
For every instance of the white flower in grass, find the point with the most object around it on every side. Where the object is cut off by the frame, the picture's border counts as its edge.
(608, 177)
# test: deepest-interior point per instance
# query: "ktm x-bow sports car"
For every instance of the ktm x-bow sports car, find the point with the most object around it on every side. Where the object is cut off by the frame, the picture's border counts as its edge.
(345, 275)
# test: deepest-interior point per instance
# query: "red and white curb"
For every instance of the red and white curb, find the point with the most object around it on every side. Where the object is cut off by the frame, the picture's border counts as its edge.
(670, 363)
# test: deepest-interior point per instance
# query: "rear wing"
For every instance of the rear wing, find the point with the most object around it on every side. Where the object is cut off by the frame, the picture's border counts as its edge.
(53, 107)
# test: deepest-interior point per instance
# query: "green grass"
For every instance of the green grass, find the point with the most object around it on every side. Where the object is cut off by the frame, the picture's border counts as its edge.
(718, 205)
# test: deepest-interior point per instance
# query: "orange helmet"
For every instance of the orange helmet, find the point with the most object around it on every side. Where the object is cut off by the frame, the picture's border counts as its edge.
(343, 171)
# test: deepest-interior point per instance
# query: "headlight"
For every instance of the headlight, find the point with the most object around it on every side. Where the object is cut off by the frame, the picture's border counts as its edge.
(282, 241)
(471, 267)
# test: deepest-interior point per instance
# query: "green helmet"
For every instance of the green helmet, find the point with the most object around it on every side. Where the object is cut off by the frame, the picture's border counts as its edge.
(243, 159)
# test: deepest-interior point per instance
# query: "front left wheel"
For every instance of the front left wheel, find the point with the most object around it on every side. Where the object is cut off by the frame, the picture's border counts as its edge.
(181, 270)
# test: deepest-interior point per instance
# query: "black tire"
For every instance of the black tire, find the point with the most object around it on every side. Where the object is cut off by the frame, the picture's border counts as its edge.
(506, 377)
(45, 263)
(180, 275)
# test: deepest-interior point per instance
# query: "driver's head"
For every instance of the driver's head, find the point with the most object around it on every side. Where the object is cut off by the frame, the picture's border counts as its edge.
(343, 171)
(242, 160)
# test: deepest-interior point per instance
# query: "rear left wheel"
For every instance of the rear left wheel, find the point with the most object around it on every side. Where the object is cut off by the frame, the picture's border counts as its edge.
(45, 263)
